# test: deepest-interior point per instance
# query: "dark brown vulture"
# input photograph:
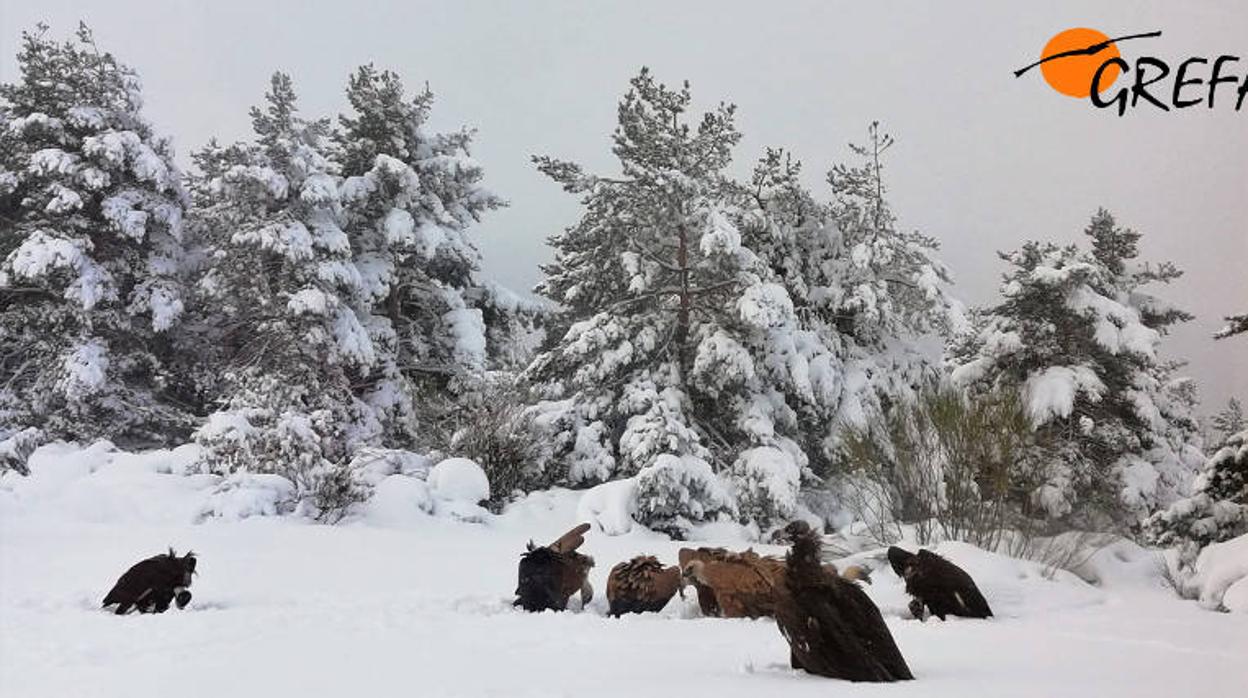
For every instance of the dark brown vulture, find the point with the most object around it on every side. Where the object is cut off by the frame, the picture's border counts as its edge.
(551, 574)
(833, 628)
(151, 585)
(642, 585)
(941, 586)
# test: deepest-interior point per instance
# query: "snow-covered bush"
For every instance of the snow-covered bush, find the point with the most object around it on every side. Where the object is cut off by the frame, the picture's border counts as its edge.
(308, 447)
(91, 246)
(491, 424)
(767, 481)
(951, 466)
(677, 491)
(16, 447)
(242, 495)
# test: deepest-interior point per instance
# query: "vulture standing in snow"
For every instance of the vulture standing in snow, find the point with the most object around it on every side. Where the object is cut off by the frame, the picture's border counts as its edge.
(739, 585)
(728, 584)
(551, 574)
(151, 585)
(833, 629)
(642, 585)
(941, 586)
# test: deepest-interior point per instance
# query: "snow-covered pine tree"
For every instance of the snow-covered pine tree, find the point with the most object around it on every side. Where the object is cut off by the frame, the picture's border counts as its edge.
(91, 209)
(278, 286)
(410, 197)
(1230, 420)
(1217, 509)
(891, 308)
(1077, 334)
(680, 347)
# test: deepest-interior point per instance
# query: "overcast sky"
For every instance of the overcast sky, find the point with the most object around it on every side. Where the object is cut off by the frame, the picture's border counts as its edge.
(983, 162)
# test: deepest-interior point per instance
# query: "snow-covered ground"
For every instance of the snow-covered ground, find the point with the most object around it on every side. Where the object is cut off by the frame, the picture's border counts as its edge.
(394, 604)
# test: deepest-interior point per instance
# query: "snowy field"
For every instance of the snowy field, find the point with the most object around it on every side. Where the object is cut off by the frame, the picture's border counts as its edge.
(399, 602)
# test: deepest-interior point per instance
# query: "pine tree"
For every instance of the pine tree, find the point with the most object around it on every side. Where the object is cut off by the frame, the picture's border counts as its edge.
(91, 209)
(1217, 509)
(1077, 333)
(892, 308)
(673, 365)
(277, 293)
(411, 198)
(1229, 421)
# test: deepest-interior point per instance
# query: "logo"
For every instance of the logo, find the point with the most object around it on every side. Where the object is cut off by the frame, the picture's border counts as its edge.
(1087, 63)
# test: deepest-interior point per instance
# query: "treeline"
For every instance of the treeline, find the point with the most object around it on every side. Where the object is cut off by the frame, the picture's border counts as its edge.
(734, 349)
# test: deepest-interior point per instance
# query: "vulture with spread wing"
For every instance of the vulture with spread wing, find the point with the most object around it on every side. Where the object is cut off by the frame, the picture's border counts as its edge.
(551, 574)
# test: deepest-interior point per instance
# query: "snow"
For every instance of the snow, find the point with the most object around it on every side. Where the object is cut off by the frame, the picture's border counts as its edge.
(84, 369)
(413, 602)
(459, 480)
(242, 495)
(1221, 575)
(312, 301)
(466, 327)
(610, 507)
(1051, 392)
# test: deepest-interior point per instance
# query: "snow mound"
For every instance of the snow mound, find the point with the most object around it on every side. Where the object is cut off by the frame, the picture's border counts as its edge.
(459, 480)
(458, 486)
(243, 495)
(398, 501)
(1121, 564)
(610, 507)
(1221, 575)
(100, 484)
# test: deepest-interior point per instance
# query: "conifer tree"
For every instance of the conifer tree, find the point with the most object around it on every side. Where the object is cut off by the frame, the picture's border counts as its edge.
(410, 198)
(1077, 333)
(91, 210)
(278, 291)
(653, 376)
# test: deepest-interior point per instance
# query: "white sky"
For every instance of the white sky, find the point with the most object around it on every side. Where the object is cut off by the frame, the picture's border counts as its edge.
(984, 161)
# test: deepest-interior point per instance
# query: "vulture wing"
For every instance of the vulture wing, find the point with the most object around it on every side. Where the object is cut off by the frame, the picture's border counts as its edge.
(571, 540)
(947, 588)
(142, 585)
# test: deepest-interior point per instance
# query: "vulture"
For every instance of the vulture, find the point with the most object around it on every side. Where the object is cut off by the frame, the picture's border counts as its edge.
(937, 584)
(152, 584)
(728, 584)
(832, 627)
(739, 585)
(642, 585)
(551, 574)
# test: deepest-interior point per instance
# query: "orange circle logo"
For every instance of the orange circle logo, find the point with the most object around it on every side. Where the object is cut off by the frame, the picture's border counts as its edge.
(1072, 74)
